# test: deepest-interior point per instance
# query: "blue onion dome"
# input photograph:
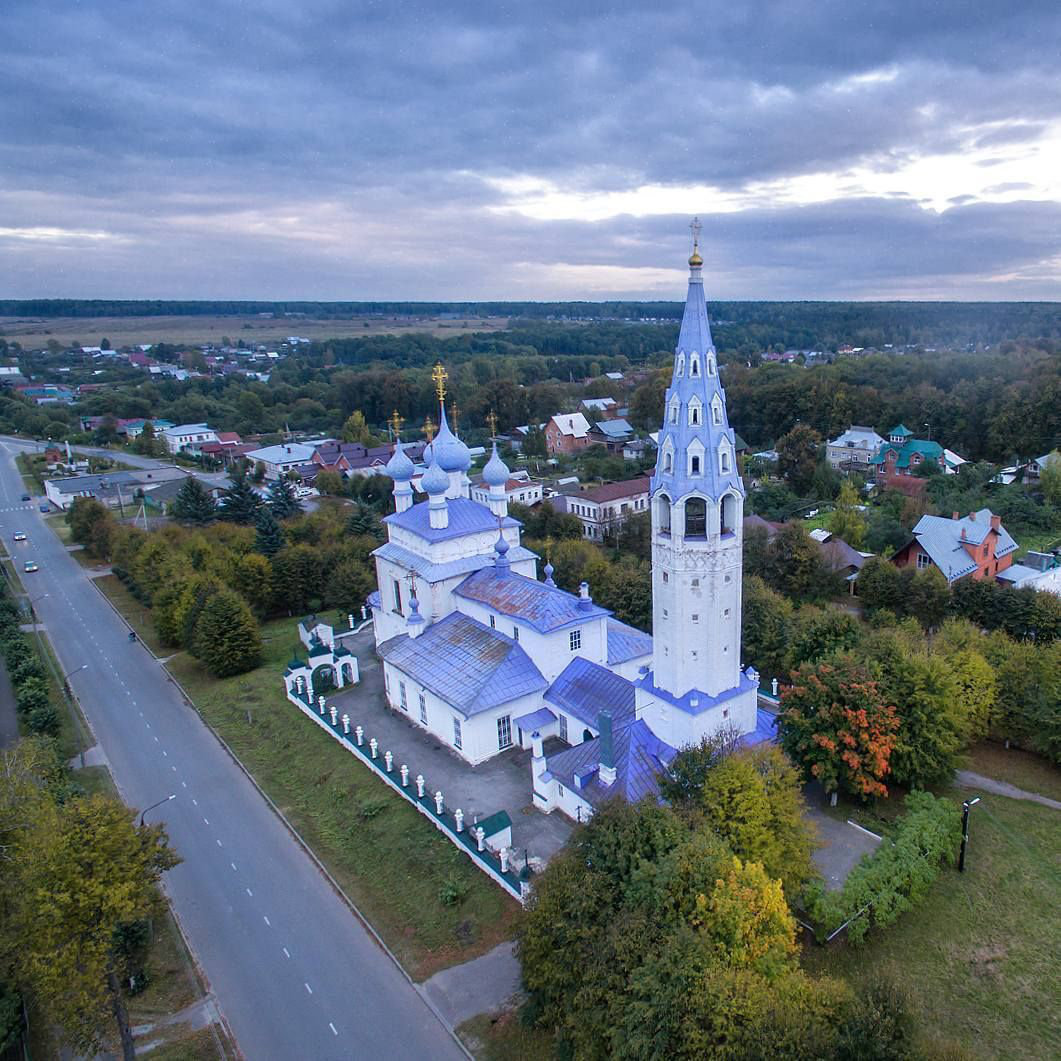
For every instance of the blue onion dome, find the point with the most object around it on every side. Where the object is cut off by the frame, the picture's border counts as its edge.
(496, 472)
(399, 467)
(448, 450)
(435, 480)
(501, 546)
(549, 574)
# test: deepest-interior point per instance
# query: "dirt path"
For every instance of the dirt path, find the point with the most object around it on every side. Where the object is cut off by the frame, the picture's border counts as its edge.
(968, 779)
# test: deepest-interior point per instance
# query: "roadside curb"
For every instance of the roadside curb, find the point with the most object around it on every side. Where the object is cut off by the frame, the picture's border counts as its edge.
(322, 869)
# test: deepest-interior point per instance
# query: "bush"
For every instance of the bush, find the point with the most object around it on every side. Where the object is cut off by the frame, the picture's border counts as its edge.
(31, 696)
(452, 891)
(43, 720)
(897, 876)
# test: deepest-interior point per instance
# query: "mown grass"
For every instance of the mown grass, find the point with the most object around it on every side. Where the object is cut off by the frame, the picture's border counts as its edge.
(137, 615)
(502, 1037)
(199, 1045)
(1024, 769)
(979, 955)
(384, 854)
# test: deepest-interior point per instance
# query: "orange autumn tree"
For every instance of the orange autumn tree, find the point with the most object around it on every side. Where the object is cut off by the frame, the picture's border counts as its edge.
(837, 726)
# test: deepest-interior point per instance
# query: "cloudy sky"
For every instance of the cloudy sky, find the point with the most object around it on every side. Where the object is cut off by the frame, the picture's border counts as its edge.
(337, 149)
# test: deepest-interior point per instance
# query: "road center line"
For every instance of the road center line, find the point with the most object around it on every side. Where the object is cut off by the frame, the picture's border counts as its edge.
(267, 921)
(332, 1026)
(206, 821)
(307, 987)
(286, 953)
(233, 865)
(250, 893)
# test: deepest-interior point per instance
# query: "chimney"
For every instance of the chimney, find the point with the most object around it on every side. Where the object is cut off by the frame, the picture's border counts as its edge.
(996, 521)
(606, 772)
(972, 516)
(956, 515)
(585, 601)
(963, 534)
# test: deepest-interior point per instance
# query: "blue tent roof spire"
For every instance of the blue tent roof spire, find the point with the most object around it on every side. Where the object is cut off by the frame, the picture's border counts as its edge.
(697, 448)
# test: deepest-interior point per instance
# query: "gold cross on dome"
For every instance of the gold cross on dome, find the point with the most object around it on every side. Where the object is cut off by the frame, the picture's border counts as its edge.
(396, 422)
(696, 227)
(492, 421)
(439, 375)
(429, 429)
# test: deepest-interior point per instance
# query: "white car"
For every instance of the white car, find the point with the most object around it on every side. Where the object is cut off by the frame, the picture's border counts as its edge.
(30, 566)
(20, 536)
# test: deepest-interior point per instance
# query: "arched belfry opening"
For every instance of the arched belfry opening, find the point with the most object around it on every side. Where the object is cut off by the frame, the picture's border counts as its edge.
(695, 518)
(729, 514)
(663, 514)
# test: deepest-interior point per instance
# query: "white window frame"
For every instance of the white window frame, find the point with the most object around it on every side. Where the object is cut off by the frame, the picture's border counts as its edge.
(458, 736)
(923, 561)
(403, 697)
(423, 709)
(574, 639)
(563, 728)
(504, 733)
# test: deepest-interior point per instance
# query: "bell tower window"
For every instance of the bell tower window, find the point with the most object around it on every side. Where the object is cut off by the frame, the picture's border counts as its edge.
(694, 365)
(710, 365)
(716, 412)
(694, 415)
(729, 513)
(668, 462)
(696, 518)
(694, 465)
(680, 370)
(723, 458)
(674, 412)
(663, 514)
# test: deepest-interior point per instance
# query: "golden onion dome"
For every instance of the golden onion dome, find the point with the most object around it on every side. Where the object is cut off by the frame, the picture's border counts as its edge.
(695, 261)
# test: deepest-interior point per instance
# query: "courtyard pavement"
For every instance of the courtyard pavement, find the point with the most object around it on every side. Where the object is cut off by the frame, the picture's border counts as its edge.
(502, 783)
(842, 843)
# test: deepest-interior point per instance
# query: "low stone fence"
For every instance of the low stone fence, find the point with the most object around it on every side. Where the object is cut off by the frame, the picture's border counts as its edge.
(469, 839)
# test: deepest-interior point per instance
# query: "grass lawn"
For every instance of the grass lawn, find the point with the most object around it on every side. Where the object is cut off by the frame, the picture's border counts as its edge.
(196, 1046)
(389, 860)
(1031, 772)
(137, 615)
(979, 955)
(502, 1037)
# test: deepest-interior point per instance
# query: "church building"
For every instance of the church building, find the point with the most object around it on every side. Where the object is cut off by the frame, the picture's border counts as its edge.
(485, 656)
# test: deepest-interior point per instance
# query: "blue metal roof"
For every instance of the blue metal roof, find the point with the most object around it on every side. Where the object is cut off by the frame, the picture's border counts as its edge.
(942, 540)
(765, 729)
(467, 664)
(640, 757)
(535, 720)
(704, 702)
(615, 428)
(545, 608)
(465, 517)
(626, 642)
(430, 572)
(585, 689)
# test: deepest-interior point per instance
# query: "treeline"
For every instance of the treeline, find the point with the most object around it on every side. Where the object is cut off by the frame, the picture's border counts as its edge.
(208, 589)
(33, 699)
(763, 325)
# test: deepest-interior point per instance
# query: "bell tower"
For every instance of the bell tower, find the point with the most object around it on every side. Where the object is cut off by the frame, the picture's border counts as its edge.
(696, 686)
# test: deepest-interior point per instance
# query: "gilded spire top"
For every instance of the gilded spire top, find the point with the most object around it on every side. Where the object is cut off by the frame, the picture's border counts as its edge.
(695, 261)
(492, 421)
(429, 429)
(396, 422)
(439, 376)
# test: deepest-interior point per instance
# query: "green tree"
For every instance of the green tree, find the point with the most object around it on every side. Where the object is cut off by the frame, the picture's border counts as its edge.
(84, 516)
(794, 563)
(880, 585)
(356, 430)
(193, 503)
(364, 522)
(927, 596)
(823, 633)
(329, 483)
(240, 503)
(282, 499)
(269, 536)
(766, 627)
(227, 635)
(83, 871)
(797, 457)
(1050, 479)
(846, 521)
(837, 726)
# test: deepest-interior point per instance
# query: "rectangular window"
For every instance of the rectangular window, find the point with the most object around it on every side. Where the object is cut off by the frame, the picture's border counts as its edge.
(504, 732)
(457, 734)
(402, 696)
(515, 633)
(397, 596)
(923, 561)
(493, 624)
(696, 583)
(560, 790)
(696, 617)
(423, 709)
(575, 640)
(563, 727)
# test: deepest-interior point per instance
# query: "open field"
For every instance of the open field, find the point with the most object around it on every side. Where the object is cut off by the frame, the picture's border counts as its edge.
(126, 331)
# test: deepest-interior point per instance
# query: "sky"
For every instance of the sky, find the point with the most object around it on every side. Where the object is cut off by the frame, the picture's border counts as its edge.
(345, 150)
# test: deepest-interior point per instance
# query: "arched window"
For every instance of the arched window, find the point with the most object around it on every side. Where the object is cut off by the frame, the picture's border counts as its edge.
(729, 514)
(710, 365)
(674, 412)
(694, 365)
(663, 514)
(696, 518)
(668, 462)
(694, 465)
(716, 412)
(723, 459)
(694, 415)
(680, 371)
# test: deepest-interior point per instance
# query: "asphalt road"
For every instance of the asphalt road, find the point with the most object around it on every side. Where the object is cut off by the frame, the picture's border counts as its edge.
(295, 974)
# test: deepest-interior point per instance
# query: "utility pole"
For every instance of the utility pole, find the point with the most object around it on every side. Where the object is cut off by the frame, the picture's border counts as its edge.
(965, 831)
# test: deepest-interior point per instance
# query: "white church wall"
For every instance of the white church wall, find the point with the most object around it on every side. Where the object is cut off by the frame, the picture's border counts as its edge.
(631, 669)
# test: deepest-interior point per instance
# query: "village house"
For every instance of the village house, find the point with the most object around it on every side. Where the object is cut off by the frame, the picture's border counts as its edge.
(566, 433)
(519, 489)
(976, 546)
(854, 449)
(602, 507)
(187, 437)
(612, 434)
(280, 459)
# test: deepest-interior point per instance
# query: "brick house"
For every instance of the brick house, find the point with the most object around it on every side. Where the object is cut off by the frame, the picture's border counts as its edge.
(902, 455)
(566, 433)
(976, 546)
(602, 507)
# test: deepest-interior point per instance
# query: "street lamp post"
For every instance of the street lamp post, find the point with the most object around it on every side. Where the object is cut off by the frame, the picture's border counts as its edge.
(965, 831)
(172, 795)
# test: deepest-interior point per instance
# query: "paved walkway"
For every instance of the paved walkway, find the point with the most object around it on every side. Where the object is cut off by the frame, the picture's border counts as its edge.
(502, 783)
(967, 779)
(482, 985)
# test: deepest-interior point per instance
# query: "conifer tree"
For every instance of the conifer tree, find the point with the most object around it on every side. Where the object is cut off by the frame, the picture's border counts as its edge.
(241, 503)
(227, 635)
(193, 503)
(269, 539)
(282, 499)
